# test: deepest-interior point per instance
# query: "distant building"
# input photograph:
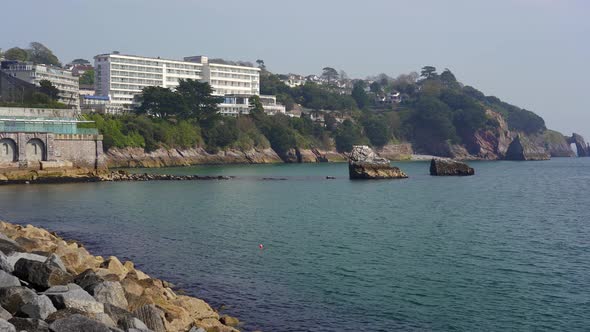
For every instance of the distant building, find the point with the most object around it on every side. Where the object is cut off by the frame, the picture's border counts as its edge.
(235, 105)
(293, 80)
(98, 104)
(62, 79)
(122, 77)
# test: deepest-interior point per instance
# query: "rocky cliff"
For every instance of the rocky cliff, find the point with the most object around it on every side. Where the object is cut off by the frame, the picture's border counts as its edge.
(137, 157)
(556, 144)
(526, 148)
(581, 146)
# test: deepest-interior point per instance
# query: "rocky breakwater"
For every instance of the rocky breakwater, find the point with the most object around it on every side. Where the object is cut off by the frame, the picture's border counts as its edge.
(364, 163)
(126, 176)
(49, 284)
(449, 167)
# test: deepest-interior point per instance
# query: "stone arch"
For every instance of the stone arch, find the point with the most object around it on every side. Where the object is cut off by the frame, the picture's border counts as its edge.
(8, 150)
(35, 150)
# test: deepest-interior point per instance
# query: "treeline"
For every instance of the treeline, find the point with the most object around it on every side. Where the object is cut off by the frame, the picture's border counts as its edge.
(435, 110)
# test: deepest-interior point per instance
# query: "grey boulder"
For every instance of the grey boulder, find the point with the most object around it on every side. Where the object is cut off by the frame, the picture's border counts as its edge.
(12, 298)
(15, 256)
(8, 280)
(110, 292)
(5, 264)
(5, 314)
(29, 324)
(39, 308)
(5, 326)
(151, 316)
(73, 296)
(41, 275)
(77, 323)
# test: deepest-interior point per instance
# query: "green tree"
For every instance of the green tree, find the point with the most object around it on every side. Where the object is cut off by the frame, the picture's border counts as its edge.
(39, 53)
(428, 72)
(347, 135)
(47, 88)
(260, 64)
(160, 102)
(200, 104)
(255, 105)
(88, 77)
(330, 74)
(16, 53)
(359, 94)
(376, 130)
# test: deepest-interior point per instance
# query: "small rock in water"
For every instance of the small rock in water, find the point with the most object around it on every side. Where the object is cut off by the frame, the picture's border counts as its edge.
(448, 167)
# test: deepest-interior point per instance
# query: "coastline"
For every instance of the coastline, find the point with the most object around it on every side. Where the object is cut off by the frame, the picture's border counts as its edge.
(90, 288)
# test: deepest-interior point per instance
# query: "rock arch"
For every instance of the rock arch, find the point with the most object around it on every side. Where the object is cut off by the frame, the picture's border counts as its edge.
(35, 150)
(8, 150)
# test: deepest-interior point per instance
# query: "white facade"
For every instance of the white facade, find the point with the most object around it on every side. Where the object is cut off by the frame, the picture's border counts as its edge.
(121, 77)
(235, 105)
(62, 79)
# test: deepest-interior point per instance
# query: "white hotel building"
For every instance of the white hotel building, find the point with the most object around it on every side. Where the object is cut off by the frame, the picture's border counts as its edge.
(121, 77)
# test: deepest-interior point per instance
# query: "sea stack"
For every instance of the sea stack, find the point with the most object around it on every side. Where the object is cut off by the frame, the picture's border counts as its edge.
(365, 164)
(448, 167)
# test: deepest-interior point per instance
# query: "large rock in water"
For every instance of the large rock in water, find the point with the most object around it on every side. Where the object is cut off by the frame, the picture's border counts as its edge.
(522, 148)
(442, 167)
(364, 163)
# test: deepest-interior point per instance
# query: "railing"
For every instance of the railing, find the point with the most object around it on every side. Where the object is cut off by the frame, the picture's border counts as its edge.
(45, 127)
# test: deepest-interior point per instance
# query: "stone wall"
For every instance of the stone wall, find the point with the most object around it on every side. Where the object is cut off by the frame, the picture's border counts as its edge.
(81, 150)
(42, 150)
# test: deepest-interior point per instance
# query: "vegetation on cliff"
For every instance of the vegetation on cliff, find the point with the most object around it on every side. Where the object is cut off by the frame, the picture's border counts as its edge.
(435, 111)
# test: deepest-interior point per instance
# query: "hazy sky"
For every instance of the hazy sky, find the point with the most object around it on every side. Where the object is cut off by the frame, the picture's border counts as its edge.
(532, 53)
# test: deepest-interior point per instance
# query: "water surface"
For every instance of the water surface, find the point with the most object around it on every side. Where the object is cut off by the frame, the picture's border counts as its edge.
(507, 249)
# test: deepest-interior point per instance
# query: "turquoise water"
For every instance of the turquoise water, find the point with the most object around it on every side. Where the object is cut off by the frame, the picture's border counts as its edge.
(507, 249)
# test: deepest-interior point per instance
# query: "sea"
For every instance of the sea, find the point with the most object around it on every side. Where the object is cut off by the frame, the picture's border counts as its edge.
(505, 250)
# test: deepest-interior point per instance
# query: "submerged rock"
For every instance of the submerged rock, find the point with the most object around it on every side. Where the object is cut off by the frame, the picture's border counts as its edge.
(442, 167)
(364, 163)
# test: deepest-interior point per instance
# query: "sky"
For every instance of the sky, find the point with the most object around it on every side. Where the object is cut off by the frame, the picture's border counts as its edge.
(531, 53)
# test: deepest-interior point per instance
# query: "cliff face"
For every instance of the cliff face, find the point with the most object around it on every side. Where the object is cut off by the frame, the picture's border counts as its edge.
(137, 157)
(499, 142)
(525, 148)
(556, 144)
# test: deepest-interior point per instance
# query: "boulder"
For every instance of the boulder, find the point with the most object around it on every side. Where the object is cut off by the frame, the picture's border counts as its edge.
(29, 324)
(41, 275)
(110, 292)
(54, 260)
(197, 329)
(364, 163)
(73, 296)
(8, 247)
(128, 323)
(229, 320)
(88, 280)
(8, 280)
(5, 264)
(5, 314)
(39, 308)
(15, 256)
(443, 167)
(77, 323)
(151, 316)
(13, 298)
(63, 313)
(123, 318)
(5, 326)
